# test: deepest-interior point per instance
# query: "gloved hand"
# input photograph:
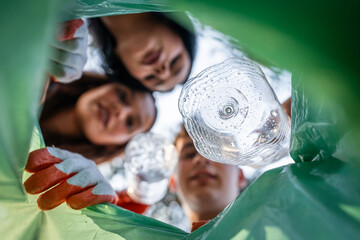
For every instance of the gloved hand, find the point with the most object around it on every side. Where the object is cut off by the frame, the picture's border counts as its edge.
(68, 55)
(77, 180)
(125, 201)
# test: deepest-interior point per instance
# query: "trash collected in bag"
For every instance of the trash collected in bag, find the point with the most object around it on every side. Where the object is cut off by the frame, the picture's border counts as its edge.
(150, 160)
(234, 116)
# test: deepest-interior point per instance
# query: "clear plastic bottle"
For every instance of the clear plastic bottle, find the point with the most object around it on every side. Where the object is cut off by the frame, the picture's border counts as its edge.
(150, 160)
(234, 116)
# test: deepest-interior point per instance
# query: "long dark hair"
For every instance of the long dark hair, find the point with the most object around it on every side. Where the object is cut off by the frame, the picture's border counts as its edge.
(112, 64)
(64, 96)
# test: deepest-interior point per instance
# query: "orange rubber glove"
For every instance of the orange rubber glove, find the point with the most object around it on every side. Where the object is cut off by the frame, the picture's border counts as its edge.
(68, 56)
(69, 29)
(196, 225)
(125, 201)
(77, 180)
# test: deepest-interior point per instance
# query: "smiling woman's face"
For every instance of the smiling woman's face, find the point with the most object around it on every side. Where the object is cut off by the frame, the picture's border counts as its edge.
(113, 114)
(154, 54)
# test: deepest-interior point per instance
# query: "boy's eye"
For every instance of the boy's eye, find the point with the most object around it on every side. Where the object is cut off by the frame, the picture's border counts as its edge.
(188, 155)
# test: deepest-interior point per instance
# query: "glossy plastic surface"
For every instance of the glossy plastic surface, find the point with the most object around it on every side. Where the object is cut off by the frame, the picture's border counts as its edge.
(234, 116)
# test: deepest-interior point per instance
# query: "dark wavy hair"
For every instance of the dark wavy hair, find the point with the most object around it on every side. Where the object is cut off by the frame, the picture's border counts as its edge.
(64, 96)
(113, 65)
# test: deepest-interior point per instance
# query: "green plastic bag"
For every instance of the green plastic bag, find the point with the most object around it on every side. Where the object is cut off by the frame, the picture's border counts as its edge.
(316, 198)
(27, 28)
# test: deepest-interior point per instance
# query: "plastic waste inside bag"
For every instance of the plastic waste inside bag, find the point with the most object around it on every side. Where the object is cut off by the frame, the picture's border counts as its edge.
(150, 160)
(234, 116)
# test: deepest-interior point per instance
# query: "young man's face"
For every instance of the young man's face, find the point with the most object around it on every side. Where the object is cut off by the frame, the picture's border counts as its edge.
(202, 184)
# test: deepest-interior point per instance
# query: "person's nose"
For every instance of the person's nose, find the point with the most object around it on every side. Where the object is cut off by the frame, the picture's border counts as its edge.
(121, 111)
(163, 71)
(200, 160)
